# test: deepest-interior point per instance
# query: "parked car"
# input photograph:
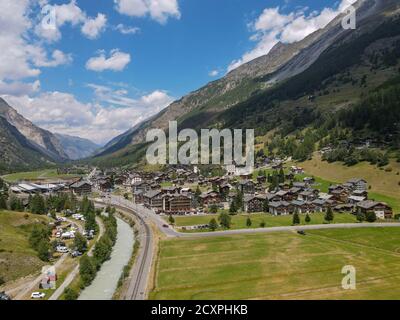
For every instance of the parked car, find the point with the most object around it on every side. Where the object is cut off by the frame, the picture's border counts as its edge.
(76, 254)
(62, 249)
(4, 296)
(37, 295)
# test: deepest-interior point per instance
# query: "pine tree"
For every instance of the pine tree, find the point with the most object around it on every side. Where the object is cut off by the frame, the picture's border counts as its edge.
(232, 208)
(329, 215)
(171, 219)
(308, 219)
(266, 205)
(213, 225)
(296, 218)
(360, 215)
(3, 203)
(248, 222)
(225, 220)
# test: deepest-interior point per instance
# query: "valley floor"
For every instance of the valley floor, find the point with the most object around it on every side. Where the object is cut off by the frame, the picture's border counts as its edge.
(280, 266)
(37, 175)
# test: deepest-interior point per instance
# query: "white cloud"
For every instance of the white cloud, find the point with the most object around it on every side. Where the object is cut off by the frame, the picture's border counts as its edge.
(17, 88)
(127, 30)
(93, 27)
(273, 26)
(213, 73)
(159, 10)
(20, 56)
(99, 121)
(117, 61)
(72, 14)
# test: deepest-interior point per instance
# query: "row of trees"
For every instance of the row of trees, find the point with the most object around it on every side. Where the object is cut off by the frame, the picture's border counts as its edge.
(102, 251)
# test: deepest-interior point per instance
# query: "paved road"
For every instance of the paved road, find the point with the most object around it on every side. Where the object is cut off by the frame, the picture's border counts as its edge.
(60, 290)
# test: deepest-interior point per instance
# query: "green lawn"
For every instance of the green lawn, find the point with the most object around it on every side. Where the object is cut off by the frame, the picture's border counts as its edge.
(17, 258)
(280, 266)
(37, 175)
(239, 221)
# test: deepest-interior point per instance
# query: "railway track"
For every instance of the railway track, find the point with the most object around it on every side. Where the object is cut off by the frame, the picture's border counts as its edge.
(137, 287)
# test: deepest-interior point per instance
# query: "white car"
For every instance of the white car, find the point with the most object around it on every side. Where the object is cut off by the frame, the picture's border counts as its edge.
(37, 295)
(62, 249)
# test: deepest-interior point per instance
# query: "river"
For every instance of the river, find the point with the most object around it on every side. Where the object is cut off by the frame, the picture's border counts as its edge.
(106, 281)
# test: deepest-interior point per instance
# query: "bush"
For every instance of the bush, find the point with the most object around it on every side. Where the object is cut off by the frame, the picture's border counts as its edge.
(371, 217)
(70, 294)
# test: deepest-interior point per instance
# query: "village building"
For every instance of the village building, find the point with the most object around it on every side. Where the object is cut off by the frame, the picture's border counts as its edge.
(280, 208)
(381, 209)
(81, 188)
(153, 199)
(253, 203)
(141, 186)
(246, 187)
(176, 203)
(358, 184)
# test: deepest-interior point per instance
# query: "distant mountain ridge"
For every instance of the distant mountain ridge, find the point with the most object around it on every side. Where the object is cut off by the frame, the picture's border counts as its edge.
(267, 81)
(44, 140)
(25, 146)
(75, 147)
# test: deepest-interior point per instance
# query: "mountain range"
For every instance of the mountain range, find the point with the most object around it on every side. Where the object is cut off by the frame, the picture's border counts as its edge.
(272, 93)
(24, 145)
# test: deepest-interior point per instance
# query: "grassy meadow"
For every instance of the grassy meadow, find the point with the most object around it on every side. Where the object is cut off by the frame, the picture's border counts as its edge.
(17, 258)
(37, 175)
(280, 266)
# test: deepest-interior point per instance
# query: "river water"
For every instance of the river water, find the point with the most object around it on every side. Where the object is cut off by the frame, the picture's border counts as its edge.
(106, 281)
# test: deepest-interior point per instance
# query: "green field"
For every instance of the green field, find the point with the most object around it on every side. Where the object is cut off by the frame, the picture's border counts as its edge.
(17, 258)
(37, 175)
(239, 221)
(280, 266)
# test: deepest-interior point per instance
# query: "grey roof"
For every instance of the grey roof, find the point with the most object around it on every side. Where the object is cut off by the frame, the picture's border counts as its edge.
(298, 203)
(276, 204)
(80, 184)
(152, 193)
(356, 180)
(320, 202)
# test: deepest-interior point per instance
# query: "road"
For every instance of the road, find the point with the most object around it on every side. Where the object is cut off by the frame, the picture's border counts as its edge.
(68, 280)
(141, 272)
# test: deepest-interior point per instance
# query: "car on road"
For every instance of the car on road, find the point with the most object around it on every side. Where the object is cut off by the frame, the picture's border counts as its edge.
(37, 295)
(165, 226)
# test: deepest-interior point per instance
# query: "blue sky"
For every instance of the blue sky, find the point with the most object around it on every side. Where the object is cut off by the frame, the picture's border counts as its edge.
(64, 80)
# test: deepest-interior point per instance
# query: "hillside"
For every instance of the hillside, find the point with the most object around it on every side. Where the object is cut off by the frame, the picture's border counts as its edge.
(293, 87)
(17, 152)
(17, 258)
(43, 139)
